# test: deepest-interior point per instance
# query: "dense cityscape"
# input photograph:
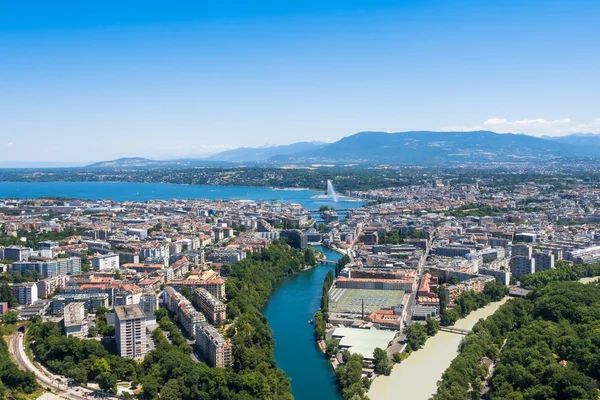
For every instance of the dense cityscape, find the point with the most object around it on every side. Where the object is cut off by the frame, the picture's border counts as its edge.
(102, 292)
(300, 200)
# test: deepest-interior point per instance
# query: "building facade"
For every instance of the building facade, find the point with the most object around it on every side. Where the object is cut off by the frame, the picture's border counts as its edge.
(130, 331)
(212, 308)
(74, 320)
(213, 347)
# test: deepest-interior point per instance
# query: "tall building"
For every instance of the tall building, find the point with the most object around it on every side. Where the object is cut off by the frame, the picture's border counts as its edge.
(16, 253)
(130, 331)
(521, 250)
(520, 266)
(26, 293)
(3, 308)
(212, 308)
(213, 347)
(74, 320)
(543, 261)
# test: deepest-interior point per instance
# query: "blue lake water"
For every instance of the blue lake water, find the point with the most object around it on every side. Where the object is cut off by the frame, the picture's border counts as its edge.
(292, 304)
(126, 191)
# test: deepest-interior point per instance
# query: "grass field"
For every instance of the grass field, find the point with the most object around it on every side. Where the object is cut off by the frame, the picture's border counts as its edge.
(350, 300)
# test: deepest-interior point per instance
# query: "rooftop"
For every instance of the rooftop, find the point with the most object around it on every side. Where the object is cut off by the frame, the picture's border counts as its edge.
(132, 311)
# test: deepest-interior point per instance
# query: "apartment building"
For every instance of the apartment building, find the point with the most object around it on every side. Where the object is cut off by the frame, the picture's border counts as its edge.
(91, 301)
(543, 261)
(130, 331)
(215, 286)
(212, 308)
(49, 268)
(188, 316)
(227, 256)
(213, 347)
(520, 266)
(3, 307)
(74, 320)
(26, 292)
(102, 262)
(48, 286)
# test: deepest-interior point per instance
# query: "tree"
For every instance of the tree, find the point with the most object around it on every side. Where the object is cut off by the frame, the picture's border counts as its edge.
(107, 382)
(187, 293)
(432, 326)
(331, 347)
(10, 317)
(416, 336)
(382, 363)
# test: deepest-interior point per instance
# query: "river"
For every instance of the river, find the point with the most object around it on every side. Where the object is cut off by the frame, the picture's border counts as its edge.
(416, 377)
(291, 305)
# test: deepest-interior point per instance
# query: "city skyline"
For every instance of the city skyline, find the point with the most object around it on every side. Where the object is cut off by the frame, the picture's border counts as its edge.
(85, 83)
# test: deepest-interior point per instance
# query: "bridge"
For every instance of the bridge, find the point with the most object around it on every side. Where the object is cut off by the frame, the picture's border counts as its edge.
(326, 261)
(452, 329)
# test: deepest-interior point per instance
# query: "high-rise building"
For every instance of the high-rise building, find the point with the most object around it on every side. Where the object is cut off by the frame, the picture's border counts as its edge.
(26, 293)
(3, 308)
(521, 250)
(520, 266)
(543, 261)
(130, 331)
(75, 321)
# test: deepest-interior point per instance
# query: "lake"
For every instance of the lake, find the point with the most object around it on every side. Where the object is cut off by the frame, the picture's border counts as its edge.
(129, 191)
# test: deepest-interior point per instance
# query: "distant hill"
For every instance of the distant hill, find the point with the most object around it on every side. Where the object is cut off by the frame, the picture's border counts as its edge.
(257, 154)
(591, 141)
(415, 147)
(426, 147)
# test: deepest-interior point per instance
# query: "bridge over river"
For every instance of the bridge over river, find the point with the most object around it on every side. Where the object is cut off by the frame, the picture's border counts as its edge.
(452, 329)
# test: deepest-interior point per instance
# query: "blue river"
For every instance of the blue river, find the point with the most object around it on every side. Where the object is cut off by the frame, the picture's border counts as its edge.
(293, 302)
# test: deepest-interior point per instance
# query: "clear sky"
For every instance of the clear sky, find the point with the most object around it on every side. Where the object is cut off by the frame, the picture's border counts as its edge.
(94, 80)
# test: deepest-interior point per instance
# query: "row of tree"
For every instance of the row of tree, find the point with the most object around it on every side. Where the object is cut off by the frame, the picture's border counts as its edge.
(562, 272)
(322, 316)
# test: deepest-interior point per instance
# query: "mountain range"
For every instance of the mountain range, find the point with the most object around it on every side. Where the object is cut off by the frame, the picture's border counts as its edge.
(414, 147)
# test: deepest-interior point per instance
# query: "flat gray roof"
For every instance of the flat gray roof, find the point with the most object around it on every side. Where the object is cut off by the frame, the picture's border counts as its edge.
(131, 311)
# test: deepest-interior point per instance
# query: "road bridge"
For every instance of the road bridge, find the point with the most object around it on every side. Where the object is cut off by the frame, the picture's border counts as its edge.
(452, 329)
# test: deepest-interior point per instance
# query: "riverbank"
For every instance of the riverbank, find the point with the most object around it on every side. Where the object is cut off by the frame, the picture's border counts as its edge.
(416, 377)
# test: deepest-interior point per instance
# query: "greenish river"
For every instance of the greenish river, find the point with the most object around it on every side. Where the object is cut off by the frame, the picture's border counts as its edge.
(291, 305)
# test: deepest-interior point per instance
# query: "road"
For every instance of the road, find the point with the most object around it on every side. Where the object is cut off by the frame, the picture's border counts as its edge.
(17, 349)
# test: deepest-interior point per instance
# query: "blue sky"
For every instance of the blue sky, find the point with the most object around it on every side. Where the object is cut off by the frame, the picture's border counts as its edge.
(86, 80)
